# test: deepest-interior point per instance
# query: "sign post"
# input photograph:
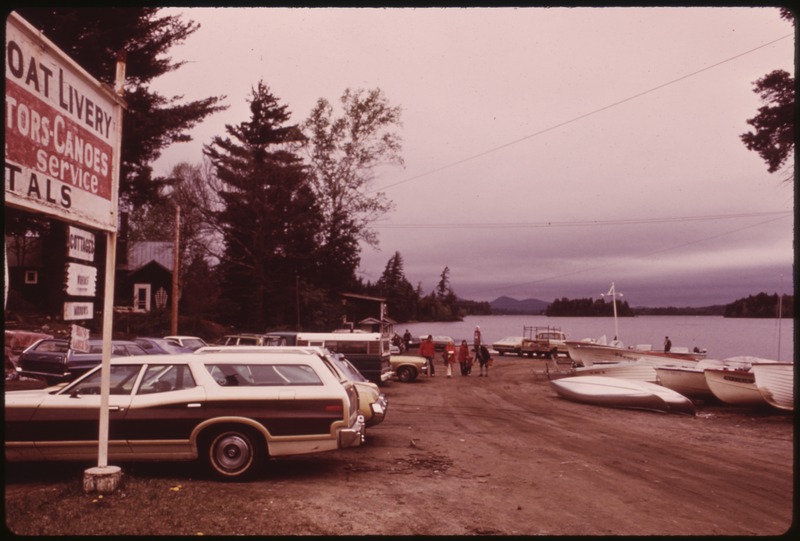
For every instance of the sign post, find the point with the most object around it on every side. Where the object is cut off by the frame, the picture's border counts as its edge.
(63, 133)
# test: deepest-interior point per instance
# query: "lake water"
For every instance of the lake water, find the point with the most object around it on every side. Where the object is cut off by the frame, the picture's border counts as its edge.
(722, 337)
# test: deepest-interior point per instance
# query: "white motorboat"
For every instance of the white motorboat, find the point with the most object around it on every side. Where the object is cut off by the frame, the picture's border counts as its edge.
(622, 393)
(691, 382)
(589, 353)
(735, 387)
(775, 382)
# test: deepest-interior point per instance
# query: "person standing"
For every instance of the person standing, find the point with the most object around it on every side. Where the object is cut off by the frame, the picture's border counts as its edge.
(428, 350)
(476, 338)
(464, 358)
(449, 355)
(667, 344)
(483, 360)
(407, 339)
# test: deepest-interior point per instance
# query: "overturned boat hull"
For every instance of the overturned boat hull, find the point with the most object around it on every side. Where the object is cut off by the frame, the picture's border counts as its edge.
(622, 393)
(775, 382)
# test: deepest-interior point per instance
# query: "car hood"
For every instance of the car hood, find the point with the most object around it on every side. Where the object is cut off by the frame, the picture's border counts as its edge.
(27, 397)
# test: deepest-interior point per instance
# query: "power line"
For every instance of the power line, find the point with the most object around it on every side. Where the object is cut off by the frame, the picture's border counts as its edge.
(632, 221)
(580, 117)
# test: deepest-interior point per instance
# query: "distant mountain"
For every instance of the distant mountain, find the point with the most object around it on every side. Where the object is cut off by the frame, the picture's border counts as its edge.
(507, 305)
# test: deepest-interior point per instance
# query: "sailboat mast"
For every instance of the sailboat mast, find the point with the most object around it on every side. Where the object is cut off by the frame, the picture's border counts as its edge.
(613, 293)
(780, 317)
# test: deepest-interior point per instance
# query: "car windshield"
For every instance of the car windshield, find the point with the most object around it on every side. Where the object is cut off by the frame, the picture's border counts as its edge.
(170, 346)
(193, 343)
(122, 378)
(52, 346)
(347, 367)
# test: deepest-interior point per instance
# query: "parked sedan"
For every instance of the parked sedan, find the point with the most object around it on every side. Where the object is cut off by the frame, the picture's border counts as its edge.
(509, 344)
(373, 404)
(407, 367)
(52, 359)
(161, 346)
(232, 411)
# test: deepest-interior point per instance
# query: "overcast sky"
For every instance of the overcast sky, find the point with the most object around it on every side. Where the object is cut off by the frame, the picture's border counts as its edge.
(548, 151)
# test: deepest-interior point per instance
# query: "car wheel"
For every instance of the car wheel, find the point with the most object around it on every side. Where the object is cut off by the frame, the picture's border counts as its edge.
(234, 454)
(405, 374)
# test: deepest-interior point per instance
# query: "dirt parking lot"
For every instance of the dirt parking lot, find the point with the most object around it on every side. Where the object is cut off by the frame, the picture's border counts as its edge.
(462, 456)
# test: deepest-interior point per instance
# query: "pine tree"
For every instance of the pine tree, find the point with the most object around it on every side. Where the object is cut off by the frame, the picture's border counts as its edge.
(269, 221)
(393, 285)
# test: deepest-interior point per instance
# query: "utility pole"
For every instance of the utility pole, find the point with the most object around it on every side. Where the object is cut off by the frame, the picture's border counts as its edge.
(297, 300)
(176, 262)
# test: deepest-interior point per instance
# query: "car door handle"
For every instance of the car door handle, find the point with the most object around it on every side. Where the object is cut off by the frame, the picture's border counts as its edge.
(194, 405)
(115, 408)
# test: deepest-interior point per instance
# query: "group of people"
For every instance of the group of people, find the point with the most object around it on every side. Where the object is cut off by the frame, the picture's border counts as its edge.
(463, 355)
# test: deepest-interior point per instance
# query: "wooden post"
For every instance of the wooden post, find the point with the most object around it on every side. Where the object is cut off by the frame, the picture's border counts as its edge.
(176, 267)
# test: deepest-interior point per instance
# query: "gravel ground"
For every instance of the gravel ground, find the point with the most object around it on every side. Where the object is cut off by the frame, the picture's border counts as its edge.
(462, 456)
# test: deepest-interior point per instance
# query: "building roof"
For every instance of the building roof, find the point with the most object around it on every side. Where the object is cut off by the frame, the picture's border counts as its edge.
(142, 253)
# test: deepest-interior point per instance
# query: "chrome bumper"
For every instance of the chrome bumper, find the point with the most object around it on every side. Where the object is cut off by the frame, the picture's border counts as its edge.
(379, 408)
(353, 436)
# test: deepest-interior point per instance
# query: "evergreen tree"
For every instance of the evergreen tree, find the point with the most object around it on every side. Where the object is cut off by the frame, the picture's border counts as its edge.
(773, 138)
(398, 291)
(270, 216)
(443, 287)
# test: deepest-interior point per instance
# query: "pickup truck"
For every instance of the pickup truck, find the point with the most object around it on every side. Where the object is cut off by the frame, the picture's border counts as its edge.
(543, 342)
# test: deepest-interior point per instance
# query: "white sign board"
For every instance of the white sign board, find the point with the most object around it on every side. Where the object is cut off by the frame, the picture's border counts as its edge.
(79, 339)
(60, 134)
(78, 310)
(80, 244)
(81, 280)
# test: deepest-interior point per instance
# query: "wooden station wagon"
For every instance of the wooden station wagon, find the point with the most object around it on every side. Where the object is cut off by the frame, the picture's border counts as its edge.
(232, 411)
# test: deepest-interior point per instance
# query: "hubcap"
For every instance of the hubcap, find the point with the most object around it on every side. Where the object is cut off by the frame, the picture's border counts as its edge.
(232, 452)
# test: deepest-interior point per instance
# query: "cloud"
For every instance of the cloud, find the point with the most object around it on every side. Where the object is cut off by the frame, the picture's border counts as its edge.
(531, 135)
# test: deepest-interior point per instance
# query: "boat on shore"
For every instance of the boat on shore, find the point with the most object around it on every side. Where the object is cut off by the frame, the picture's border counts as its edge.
(691, 381)
(589, 353)
(775, 382)
(638, 370)
(622, 393)
(734, 387)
